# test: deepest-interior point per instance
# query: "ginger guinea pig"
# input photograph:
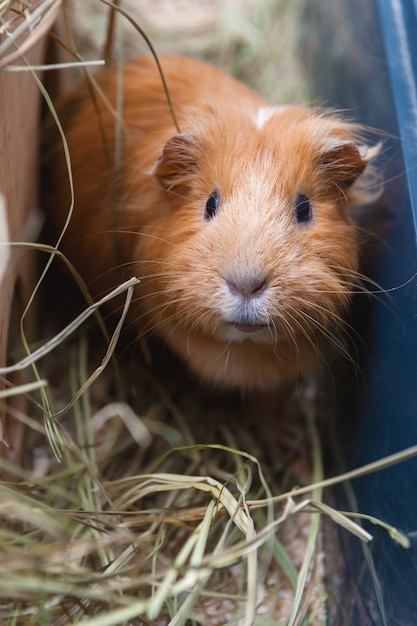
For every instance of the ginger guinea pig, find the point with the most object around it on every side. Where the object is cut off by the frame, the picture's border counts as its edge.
(236, 223)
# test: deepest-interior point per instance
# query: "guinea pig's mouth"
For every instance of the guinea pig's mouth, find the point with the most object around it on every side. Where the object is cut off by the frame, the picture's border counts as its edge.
(245, 327)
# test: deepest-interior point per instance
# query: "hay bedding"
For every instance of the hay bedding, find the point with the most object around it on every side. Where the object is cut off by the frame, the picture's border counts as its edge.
(146, 510)
(125, 510)
(150, 500)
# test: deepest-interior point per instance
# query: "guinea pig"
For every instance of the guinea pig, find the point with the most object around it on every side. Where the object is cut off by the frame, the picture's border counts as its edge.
(235, 220)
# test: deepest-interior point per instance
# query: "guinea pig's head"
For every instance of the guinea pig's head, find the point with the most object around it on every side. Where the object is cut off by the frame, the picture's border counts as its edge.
(255, 242)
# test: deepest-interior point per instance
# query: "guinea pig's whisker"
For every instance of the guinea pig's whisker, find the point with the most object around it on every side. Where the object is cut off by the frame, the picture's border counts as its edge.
(140, 263)
(331, 315)
(331, 337)
(326, 314)
(362, 285)
(290, 334)
(133, 227)
(359, 282)
(227, 352)
(303, 332)
(153, 325)
(289, 331)
(272, 328)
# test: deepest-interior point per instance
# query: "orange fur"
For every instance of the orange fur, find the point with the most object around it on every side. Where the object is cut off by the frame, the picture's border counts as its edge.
(204, 280)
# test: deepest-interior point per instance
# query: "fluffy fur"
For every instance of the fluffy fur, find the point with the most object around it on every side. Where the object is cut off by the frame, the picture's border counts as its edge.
(249, 296)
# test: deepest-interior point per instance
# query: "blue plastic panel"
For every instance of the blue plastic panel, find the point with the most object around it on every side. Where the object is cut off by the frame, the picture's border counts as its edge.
(362, 56)
(399, 31)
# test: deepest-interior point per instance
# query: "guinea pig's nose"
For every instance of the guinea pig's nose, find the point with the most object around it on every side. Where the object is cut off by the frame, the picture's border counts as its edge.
(247, 287)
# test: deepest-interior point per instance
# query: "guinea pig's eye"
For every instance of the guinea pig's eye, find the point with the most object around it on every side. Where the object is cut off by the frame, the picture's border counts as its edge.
(303, 210)
(212, 205)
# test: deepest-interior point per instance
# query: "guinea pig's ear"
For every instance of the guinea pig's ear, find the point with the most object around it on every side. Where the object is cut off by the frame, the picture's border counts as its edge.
(345, 161)
(177, 160)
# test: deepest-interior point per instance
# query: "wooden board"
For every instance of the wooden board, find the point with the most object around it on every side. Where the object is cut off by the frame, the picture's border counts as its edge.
(20, 101)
